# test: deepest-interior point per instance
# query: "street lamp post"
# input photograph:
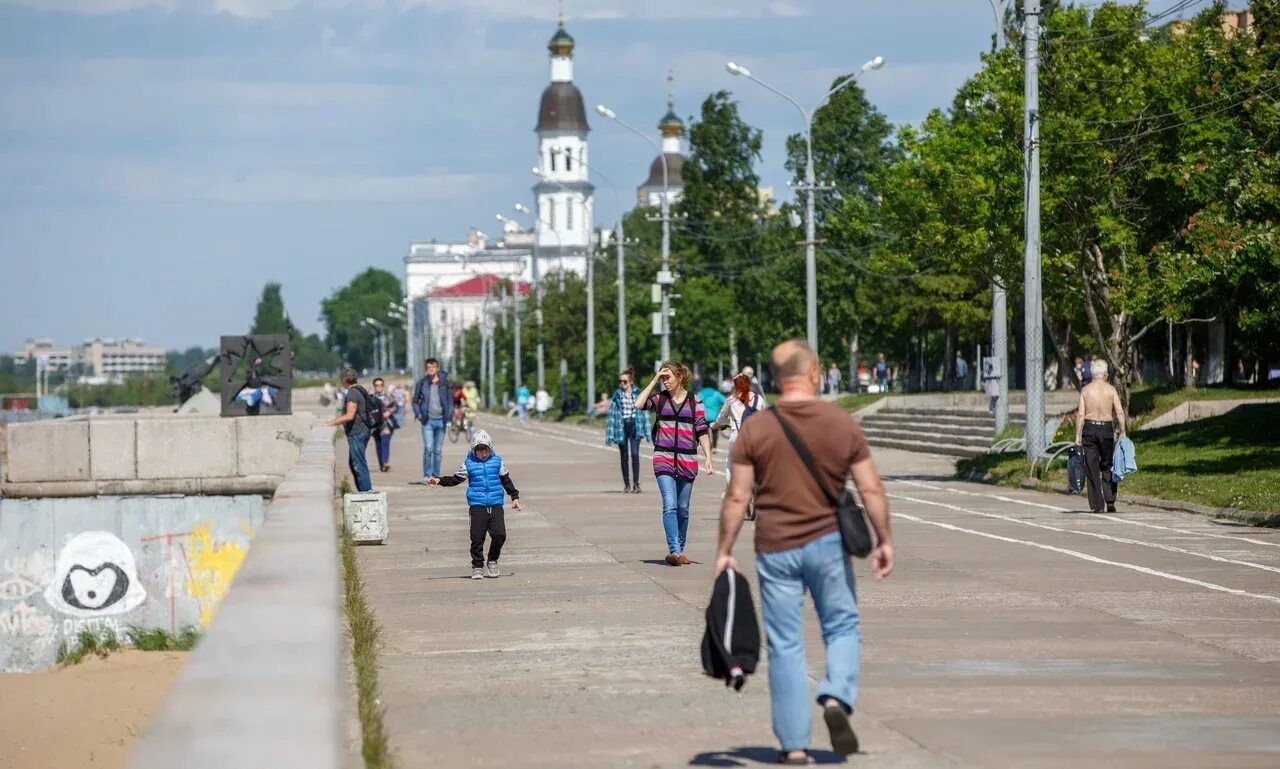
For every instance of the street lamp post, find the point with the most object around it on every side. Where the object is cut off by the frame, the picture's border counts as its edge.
(809, 187)
(664, 274)
(999, 312)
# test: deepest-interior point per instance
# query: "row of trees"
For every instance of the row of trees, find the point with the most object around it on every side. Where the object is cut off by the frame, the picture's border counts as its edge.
(1160, 202)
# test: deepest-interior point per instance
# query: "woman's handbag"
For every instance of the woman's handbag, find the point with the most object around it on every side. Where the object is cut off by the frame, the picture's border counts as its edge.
(855, 530)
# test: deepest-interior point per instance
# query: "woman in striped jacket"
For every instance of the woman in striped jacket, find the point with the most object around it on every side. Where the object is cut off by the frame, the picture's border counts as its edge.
(680, 429)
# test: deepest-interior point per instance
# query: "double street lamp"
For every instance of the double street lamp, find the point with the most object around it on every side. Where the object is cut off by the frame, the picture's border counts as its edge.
(809, 186)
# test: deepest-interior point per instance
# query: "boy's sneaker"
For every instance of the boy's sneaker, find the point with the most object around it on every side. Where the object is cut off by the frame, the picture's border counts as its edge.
(477, 573)
(493, 570)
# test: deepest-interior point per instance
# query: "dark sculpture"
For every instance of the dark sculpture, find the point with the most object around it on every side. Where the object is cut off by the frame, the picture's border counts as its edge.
(184, 385)
(256, 373)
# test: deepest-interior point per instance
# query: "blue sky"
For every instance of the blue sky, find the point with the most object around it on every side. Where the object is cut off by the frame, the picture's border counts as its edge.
(162, 159)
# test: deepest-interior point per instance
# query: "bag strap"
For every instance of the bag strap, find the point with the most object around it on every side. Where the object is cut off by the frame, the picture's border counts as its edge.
(805, 456)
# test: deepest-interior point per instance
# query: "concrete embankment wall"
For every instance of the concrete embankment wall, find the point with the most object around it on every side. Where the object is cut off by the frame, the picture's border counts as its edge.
(265, 686)
(111, 523)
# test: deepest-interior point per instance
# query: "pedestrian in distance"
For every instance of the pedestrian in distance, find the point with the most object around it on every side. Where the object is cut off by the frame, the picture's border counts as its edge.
(523, 399)
(487, 481)
(799, 547)
(356, 421)
(962, 371)
(882, 373)
(384, 402)
(542, 403)
(741, 404)
(712, 401)
(432, 403)
(625, 425)
(681, 429)
(1100, 421)
(833, 379)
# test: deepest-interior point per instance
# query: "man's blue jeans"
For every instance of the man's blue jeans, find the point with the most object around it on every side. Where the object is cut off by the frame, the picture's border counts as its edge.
(432, 445)
(357, 443)
(823, 568)
(675, 510)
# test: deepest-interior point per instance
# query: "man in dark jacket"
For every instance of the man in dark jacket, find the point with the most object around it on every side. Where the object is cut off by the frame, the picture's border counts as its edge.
(432, 405)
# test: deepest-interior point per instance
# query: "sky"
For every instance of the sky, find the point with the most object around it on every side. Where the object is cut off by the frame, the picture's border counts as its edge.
(160, 160)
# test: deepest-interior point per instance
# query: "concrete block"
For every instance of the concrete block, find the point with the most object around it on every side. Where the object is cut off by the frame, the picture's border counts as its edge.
(269, 445)
(113, 449)
(195, 447)
(48, 450)
(364, 515)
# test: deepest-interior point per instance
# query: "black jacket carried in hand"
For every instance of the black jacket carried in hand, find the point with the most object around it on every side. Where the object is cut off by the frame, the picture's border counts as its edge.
(731, 642)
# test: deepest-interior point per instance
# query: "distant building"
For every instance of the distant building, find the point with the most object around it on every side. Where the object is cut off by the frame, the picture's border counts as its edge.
(433, 268)
(457, 307)
(1233, 23)
(102, 359)
(672, 129)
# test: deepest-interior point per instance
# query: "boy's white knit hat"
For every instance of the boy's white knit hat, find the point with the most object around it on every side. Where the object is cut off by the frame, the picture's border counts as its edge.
(480, 438)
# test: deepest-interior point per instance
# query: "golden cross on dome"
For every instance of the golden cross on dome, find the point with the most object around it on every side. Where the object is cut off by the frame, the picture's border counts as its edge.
(671, 99)
(560, 14)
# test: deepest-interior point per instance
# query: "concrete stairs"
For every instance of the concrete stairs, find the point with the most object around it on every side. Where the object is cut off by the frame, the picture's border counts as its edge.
(953, 430)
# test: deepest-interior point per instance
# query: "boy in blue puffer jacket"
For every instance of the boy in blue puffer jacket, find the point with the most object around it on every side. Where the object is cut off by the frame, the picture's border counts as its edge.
(487, 481)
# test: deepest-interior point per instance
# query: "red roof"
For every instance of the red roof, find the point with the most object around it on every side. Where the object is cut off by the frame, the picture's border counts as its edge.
(477, 286)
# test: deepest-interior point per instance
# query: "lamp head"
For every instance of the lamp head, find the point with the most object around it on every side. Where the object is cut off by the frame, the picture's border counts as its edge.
(536, 171)
(737, 69)
(875, 63)
(606, 112)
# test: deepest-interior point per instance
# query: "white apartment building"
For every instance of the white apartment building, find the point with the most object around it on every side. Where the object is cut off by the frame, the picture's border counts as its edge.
(103, 359)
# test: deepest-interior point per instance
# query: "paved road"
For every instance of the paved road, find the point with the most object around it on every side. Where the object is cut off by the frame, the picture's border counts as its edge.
(1016, 631)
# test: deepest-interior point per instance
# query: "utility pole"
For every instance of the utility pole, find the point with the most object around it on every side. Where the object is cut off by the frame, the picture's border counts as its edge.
(1034, 371)
(664, 275)
(622, 297)
(999, 302)
(591, 324)
(537, 304)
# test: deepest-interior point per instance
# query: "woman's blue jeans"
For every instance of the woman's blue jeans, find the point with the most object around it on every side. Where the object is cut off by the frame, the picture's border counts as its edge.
(675, 510)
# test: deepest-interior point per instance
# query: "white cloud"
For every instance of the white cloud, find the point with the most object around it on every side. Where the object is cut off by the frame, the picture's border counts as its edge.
(160, 183)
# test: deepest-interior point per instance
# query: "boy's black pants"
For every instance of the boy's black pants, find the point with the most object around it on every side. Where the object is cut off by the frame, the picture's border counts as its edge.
(491, 520)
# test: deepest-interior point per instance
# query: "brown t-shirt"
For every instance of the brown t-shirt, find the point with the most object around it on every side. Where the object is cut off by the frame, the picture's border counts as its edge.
(791, 511)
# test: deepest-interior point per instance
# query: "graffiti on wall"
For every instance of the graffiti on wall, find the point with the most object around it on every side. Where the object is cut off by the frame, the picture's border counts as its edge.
(95, 575)
(200, 567)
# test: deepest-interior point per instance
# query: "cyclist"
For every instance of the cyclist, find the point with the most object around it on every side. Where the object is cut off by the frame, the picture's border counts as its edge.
(470, 401)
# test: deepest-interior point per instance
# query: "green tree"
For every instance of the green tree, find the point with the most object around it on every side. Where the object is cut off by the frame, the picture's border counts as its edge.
(271, 317)
(369, 295)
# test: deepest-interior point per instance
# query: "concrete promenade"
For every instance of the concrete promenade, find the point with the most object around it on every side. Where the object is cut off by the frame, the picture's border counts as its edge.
(1016, 632)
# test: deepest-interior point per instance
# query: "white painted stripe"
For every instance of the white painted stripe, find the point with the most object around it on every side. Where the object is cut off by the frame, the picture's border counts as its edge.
(1056, 508)
(576, 442)
(1108, 537)
(1080, 555)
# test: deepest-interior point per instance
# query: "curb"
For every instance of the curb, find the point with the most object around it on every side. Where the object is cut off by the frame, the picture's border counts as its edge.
(1250, 517)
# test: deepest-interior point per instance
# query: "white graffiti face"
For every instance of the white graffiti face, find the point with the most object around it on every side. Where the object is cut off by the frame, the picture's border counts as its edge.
(95, 575)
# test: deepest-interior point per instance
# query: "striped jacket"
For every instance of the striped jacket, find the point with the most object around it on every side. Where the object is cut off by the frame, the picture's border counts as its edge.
(676, 433)
(615, 432)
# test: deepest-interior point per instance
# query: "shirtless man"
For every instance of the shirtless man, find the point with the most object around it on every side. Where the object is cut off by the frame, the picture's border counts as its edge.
(1099, 414)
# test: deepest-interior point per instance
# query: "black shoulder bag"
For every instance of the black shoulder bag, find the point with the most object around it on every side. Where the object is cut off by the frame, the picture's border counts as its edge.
(854, 527)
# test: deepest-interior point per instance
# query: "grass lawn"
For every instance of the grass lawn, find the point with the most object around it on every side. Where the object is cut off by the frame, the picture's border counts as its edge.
(1149, 402)
(1231, 460)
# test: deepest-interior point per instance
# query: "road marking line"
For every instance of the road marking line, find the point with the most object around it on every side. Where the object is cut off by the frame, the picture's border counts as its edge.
(1108, 537)
(1082, 556)
(576, 442)
(1104, 516)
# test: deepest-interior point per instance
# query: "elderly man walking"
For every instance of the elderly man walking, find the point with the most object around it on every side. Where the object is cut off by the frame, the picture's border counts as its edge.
(799, 548)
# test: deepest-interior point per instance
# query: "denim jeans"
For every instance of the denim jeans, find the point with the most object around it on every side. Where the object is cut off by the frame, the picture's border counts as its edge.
(357, 443)
(629, 453)
(383, 443)
(675, 510)
(823, 568)
(432, 444)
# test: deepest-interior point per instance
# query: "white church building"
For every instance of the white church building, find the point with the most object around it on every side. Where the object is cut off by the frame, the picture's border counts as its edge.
(442, 287)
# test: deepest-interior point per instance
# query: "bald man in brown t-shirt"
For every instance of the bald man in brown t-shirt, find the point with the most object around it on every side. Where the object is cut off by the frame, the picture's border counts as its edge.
(798, 545)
